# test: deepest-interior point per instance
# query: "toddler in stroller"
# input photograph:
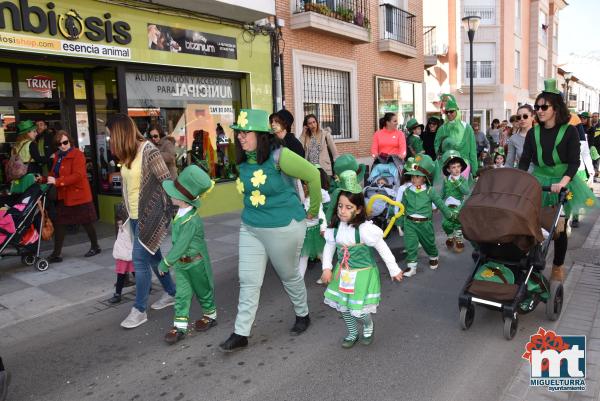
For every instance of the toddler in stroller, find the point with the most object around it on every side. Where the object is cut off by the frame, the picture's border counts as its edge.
(383, 180)
(507, 274)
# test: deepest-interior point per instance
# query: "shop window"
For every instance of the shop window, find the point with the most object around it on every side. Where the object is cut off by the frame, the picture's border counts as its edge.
(399, 97)
(41, 84)
(194, 111)
(79, 86)
(5, 82)
(8, 136)
(106, 105)
(327, 95)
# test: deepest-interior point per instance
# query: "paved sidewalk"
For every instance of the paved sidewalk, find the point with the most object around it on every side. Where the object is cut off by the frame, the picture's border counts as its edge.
(26, 293)
(580, 316)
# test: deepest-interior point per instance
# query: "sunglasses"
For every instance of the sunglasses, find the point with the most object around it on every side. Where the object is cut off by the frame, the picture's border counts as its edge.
(63, 143)
(155, 136)
(450, 111)
(523, 116)
(544, 107)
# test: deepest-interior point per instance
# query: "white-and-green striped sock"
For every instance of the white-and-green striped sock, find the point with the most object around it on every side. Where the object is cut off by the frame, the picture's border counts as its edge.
(351, 326)
(367, 325)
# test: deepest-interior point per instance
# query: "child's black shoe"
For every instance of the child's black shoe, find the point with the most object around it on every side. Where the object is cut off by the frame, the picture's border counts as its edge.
(116, 298)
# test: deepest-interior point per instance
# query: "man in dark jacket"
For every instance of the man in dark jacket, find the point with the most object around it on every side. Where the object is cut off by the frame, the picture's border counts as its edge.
(45, 145)
(281, 123)
(428, 137)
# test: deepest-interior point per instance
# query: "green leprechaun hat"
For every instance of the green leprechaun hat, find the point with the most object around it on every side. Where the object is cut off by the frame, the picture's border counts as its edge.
(25, 126)
(450, 102)
(452, 156)
(550, 86)
(189, 185)
(423, 166)
(585, 114)
(347, 162)
(348, 182)
(413, 123)
(252, 120)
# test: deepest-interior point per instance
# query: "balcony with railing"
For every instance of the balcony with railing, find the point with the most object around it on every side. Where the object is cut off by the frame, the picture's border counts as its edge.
(346, 18)
(486, 13)
(429, 46)
(398, 31)
(484, 75)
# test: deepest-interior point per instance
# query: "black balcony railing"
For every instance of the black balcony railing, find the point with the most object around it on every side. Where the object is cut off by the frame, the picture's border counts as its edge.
(352, 11)
(398, 25)
(429, 47)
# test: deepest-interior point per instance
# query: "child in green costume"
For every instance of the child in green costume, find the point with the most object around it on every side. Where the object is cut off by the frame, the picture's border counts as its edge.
(354, 286)
(418, 226)
(189, 255)
(414, 141)
(454, 190)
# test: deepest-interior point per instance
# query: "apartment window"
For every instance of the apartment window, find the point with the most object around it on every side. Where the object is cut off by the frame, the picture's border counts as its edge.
(485, 9)
(468, 69)
(517, 68)
(484, 56)
(326, 94)
(555, 38)
(541, 72)
(544, 28)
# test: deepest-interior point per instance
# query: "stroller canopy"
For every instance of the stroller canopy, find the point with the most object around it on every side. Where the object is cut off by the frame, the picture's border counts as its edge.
(504, 207)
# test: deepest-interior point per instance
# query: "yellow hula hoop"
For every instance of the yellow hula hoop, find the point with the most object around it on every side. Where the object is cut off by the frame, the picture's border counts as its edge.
(391, 202)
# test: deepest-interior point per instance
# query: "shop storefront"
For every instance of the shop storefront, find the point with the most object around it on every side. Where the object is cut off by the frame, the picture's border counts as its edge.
(400, 97)
(74, 68)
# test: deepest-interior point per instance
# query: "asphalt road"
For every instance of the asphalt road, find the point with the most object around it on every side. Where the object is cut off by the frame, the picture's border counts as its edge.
(419, 351)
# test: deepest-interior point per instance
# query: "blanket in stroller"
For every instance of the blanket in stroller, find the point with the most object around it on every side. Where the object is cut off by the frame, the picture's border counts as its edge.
(504, 207)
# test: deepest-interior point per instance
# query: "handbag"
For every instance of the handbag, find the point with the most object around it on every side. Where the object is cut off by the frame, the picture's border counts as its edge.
(16, 168)
(47, 227)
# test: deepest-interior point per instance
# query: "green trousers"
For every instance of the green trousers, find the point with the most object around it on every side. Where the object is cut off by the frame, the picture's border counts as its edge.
(419, 232)
(194, 279)
(450, 226)
(281, 245)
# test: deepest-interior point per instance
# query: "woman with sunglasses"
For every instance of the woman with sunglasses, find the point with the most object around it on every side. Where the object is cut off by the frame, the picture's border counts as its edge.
(166, 145)
(553, 148)
(74, 204)
(521, 126)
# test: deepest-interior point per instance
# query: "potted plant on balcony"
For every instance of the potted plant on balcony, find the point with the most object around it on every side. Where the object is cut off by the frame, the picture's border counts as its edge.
(345, 14)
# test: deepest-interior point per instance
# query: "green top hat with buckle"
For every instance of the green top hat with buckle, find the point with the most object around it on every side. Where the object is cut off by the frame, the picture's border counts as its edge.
(189, 185)
(585, 114)
(347, 162)
(413, 123)
(252, 120)
(423, 166)
(550, 86)
(452, 156)
(349, 182)
(25, 126)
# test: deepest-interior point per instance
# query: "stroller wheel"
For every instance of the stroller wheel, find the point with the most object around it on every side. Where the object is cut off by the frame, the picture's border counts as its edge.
(510, 327)
(555, 301)
(467, 315)
(41, 264)
(28, 260)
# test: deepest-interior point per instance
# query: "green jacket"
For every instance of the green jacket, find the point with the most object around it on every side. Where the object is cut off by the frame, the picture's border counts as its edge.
(420, 203)
(415, 145)
(188, 241)
(458, 189)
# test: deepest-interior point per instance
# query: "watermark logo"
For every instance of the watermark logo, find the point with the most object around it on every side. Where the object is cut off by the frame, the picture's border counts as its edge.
(557, 362)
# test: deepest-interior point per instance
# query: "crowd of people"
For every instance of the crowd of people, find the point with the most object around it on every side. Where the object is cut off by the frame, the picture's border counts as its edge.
(302, 201)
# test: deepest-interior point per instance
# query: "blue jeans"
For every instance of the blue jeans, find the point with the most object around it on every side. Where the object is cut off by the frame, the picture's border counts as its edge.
(143, 261)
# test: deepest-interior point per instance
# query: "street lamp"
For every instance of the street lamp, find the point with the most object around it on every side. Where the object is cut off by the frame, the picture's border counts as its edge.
(471, 23)
(567, 76)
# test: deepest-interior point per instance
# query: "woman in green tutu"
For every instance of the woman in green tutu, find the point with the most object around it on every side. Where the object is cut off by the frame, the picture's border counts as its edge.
(553, 148)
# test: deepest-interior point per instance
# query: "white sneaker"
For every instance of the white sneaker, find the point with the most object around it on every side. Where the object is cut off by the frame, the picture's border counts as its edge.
(409, 272)
(319, 281)
(164, 301)
(134, 319)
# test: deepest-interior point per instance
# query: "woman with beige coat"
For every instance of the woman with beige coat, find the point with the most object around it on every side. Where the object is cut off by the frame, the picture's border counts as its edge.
(318, 144)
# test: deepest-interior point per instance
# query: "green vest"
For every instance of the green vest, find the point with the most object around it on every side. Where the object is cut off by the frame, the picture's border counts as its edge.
(360, 256)
(455, 188)
(270, 199)
(188, 240)
(418, 202)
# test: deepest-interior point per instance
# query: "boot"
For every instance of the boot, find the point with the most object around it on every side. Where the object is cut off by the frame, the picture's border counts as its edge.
(450, 243)
(233, 343)
(300, 326)
(557, 273)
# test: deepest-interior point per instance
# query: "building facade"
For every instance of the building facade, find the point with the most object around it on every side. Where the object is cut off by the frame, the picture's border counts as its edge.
(187, 71)
(349, 62)
(580, 96)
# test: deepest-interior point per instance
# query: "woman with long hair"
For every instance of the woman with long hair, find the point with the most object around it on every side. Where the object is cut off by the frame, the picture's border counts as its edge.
(318, 144)
(553, 148)
(149, 210)
(522, 125)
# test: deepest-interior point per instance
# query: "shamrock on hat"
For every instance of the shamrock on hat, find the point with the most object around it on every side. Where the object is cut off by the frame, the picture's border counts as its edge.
(423, 166)
(252, 120)
(189, 185)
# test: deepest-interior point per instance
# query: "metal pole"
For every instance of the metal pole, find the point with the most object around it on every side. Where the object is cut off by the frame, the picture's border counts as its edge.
(471, 36)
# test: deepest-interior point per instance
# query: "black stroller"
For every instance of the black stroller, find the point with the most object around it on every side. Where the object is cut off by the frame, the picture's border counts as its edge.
(504, 219)
(26, 212)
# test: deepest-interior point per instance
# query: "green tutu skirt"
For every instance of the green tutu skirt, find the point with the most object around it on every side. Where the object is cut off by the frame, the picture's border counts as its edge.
(313, 242)
(579, 196)
(366, 292)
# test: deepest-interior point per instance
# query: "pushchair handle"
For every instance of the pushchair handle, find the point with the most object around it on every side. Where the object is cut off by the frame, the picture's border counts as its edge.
(548, 188)
(562, 195)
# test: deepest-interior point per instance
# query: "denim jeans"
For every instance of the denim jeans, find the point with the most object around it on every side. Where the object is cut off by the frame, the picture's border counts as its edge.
(143, 261)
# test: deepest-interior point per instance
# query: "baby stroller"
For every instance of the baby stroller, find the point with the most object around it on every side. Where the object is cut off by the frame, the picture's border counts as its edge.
(507, 274)
(383, 181)
(21, 222)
